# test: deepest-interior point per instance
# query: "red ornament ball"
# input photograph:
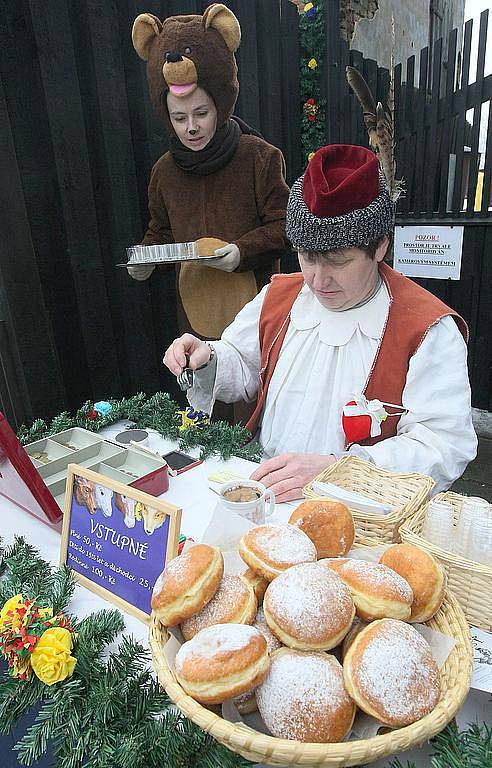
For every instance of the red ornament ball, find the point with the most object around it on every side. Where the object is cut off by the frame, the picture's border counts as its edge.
(356, 428)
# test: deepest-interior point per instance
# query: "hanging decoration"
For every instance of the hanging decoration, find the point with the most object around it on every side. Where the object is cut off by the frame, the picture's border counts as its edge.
(310, 110)
(191, 419)
(299, 5)
(310, 10)
(312, 36)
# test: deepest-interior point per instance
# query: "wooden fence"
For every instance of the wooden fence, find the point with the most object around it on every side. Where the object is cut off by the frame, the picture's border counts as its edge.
(438, 116)
(78, 138)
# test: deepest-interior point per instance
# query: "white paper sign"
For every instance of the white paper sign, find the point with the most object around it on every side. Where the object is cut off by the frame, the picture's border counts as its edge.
(428, 251)
(482, 660)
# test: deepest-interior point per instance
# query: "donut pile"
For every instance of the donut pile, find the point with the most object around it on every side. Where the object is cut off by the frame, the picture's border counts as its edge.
(333, 633)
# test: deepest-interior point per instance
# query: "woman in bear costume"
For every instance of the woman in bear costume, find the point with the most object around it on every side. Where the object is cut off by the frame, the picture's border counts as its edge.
(219, 178)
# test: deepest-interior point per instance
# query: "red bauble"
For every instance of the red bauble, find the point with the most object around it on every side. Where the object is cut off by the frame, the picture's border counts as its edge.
(356, 428)
(92, 415)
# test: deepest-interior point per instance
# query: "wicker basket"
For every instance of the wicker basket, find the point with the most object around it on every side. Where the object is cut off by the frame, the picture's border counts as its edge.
(455, 682)
(470, 582)
(407, 492)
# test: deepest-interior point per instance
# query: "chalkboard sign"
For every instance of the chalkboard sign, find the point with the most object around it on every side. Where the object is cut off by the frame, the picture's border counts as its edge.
(117, 539)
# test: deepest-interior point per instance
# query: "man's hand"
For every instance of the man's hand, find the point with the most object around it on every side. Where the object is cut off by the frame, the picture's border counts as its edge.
(187, 346)
(227, 260)
(286, 475)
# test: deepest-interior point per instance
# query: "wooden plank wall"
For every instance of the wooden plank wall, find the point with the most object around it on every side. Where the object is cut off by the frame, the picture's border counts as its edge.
(78, 138)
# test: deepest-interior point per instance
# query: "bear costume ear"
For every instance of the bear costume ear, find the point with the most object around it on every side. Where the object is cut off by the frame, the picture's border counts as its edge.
(145, 28)
(223, 20)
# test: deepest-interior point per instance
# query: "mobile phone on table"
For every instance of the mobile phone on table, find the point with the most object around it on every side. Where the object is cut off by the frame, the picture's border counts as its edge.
(180, 462)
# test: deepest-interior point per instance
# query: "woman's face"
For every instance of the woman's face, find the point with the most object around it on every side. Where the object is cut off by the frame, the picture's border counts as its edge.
(193, 117)
(342, 279)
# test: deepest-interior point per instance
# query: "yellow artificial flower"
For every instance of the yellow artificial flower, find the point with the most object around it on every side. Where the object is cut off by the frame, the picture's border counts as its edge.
(12, 604)
(312, 63)
(51, 659)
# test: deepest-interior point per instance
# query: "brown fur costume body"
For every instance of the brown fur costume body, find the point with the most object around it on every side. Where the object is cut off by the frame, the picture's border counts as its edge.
(243, 202)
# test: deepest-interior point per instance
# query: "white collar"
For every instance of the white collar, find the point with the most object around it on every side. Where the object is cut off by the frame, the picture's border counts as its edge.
(337, 328)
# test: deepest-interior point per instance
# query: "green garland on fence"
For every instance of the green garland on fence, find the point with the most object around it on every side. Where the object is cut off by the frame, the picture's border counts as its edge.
(312, 40)
(158, 412)
(111, 712)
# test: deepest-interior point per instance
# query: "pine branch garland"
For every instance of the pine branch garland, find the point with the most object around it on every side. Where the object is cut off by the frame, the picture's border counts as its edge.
(61, 589)
(24, 571)
(222, 438)
(157, 412)
(94, 634)
(49, 722)
(16, 700)
(471, 748)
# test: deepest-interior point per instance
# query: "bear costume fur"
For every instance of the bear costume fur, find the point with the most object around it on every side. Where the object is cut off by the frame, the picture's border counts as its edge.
(242, 201)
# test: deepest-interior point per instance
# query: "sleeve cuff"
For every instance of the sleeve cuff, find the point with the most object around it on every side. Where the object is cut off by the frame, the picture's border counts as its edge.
(362, 453)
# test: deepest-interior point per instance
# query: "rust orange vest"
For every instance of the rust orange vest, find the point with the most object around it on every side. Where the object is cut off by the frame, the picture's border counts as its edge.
(412, 311)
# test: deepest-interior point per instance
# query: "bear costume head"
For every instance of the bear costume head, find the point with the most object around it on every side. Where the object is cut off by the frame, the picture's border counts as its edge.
(187, 52)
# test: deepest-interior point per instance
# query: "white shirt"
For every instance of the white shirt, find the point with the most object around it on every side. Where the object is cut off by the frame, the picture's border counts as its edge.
(325, 360)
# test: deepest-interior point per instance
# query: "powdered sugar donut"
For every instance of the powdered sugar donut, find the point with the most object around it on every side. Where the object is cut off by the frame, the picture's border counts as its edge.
(222, 661)
(423, 573)
(309, 608)
(390, 673)
(233, 603)
(187, 583)
(378, 591)
(271, 549)
(304, 697)
(246, 703)
(329, 525)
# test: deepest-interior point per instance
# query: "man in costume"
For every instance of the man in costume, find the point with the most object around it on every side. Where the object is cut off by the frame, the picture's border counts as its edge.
(348, 356)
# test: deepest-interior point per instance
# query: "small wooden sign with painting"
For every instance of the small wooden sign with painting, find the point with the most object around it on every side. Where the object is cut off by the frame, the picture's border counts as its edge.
(117, 539)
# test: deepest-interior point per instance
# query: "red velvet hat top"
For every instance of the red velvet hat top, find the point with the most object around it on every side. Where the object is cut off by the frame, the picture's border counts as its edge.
(340, 178)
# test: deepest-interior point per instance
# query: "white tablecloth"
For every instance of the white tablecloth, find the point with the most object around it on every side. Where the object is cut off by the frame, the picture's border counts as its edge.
(190, 491)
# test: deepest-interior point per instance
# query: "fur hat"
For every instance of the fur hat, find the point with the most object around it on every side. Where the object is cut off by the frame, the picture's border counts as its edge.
(341, 201)
(187, 52)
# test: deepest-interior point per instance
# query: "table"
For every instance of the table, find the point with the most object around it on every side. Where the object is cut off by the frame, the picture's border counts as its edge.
(191, 491)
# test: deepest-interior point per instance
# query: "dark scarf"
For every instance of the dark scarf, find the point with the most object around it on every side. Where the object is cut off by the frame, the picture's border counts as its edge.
(218, 151)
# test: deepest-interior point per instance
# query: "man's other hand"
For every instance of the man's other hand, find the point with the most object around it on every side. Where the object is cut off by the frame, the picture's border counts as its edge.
(286, 475)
